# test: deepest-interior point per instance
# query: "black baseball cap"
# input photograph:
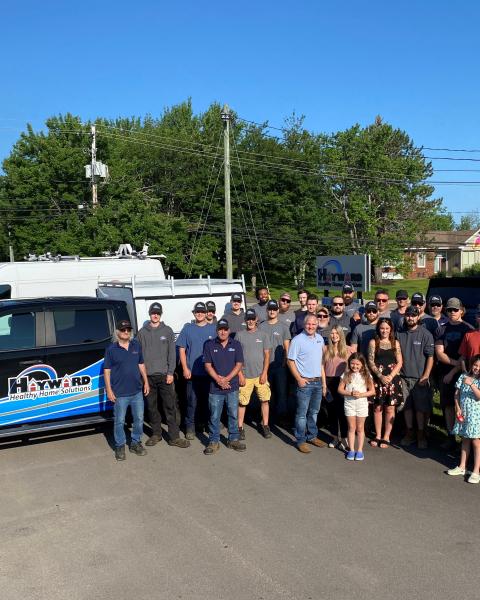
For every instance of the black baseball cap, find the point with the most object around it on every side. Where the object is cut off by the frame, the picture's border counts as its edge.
(155, 308)
(435, 300)
(124, 324)
(418, 297)
(250, 314)
(236, 298)
(222, 324)
(401, 295)
(272, 305)
(412, 311)
(200, 307)
(371, 305)
(348, 287)
(210, 306)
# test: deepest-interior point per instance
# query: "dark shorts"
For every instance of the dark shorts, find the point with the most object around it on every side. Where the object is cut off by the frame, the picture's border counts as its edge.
(417, 397)
(447, 391)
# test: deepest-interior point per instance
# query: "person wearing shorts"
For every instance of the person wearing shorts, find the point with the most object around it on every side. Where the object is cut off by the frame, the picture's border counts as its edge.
(416, 344)
(256, 347)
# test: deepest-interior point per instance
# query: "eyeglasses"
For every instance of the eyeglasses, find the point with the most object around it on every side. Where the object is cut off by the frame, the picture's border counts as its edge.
(435, 305)
(418, 303)
(337, 304)
(285, 300)
(455, 310)
(381, 300)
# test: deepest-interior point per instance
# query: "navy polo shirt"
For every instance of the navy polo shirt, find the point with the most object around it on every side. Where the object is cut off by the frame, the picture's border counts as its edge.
(223, 360)
(125, 377)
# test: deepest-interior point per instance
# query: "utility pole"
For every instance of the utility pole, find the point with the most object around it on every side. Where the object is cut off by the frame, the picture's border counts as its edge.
(10, 247)
(93, 167)
(228, 210)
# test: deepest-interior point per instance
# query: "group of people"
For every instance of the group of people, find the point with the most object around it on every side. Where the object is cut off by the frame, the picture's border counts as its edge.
(360, 360)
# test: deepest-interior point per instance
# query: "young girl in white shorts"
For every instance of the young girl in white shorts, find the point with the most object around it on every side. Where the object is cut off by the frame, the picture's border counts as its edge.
(356, 384)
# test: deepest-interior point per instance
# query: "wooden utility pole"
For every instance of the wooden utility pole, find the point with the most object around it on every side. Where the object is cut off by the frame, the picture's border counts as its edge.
(228, 210)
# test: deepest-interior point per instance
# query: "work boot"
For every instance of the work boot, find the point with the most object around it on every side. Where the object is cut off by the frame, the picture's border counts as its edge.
(241, 430)
(190, 434)
(179, 443)
(212, 448)
(408, 439)
(154, 439)
(138, 449)
(317, 442)
(265, 431)
(120, 453)
(236, 445)
(303, 448)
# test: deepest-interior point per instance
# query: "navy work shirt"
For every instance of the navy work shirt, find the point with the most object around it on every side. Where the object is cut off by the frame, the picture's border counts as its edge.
(223, 360)
(125, 376)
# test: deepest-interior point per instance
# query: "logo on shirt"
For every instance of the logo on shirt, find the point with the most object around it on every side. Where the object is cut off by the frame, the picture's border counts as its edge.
(230, 350)
(258, 341)
(162, 337)
(417, 343)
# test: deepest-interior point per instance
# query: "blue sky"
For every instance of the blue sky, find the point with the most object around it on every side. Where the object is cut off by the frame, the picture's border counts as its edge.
(416, 63)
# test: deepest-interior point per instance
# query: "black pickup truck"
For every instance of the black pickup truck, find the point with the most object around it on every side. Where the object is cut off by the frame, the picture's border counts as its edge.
(467, 289)
(51, 362)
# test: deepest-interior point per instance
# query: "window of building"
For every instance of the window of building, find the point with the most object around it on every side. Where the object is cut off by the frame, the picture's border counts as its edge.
(421, 260)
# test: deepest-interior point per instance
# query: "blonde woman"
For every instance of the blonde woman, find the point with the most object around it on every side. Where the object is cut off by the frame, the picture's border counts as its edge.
(335, 361)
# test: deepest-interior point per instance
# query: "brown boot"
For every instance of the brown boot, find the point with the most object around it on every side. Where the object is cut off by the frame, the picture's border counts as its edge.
(304, 448)
(317, 442)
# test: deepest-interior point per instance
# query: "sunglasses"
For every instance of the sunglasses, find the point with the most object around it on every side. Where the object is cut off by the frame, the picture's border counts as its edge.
(285, 300)
(455, 310)
(371, 310)
(337, 304)
(418, 303)
(125, 329)
(435, 305)
(382, 300)
(322, 316)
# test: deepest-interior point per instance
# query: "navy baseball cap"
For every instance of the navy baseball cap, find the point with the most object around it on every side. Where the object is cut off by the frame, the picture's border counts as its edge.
(211, 306)
(236, 298)
(371, 305)
(124, 325)
(401, 295)
(435, 300)
(200, 307)
(272, 305)
(250, 314)
(412, 311)
(348, 287)
(418, 297)
(222, 324)
(155, 308)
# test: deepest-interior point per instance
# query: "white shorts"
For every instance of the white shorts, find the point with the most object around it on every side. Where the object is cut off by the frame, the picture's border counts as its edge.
(356, 407)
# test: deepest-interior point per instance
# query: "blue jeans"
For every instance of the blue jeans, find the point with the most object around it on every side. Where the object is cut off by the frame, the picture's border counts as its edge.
(119, 411)
(309, 399)
(215, 402)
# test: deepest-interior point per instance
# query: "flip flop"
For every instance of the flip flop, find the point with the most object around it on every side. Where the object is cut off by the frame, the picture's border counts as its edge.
(384, 444)
(374, 443)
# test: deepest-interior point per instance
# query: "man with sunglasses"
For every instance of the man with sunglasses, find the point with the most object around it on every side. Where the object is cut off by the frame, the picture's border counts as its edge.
(280, 337)
(285, 313)
(381, 300)
(125, 376)
(158, 347)
(435, 310)
(190, 344)
(424, 319)
(339, 317)
(352, 307)
(448, 339)
(323, 323)
(363, 333)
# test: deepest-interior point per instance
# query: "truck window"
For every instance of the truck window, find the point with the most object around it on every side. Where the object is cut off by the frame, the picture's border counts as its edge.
(5, 291)
(17, 331)
(78, 326)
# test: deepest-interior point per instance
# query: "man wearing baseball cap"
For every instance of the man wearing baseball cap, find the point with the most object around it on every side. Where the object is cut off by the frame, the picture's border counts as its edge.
(280, 337)
(190, 344)
(424, 320)
(235, 315)
(125, 376)
(285, 313)
(158, 347)
(363, 333)
(398, 313)
(223, 359)
(435, 309)
(256, 347)
(352, 306)
(211, 310)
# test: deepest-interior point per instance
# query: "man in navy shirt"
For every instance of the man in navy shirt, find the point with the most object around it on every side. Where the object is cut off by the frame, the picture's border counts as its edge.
(223, 358)
(124, 372)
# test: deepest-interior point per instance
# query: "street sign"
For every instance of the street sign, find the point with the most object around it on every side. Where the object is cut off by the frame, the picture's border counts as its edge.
(334, 271)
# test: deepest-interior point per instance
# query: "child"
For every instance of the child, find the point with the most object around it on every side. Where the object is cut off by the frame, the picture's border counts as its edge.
(356, 385)
(467, 425)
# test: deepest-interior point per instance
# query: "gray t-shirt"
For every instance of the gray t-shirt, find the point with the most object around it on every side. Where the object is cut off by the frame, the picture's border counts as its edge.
(279, 332)
(261, 310)
(236, 322)
(287, 317)
(253, 345)
(362, 334)
(417, 346)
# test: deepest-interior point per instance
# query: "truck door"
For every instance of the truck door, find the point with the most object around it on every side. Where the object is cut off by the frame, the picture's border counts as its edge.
(76, 338)
(23, 374)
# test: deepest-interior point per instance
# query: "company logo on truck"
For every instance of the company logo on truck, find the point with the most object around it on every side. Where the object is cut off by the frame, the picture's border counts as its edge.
(42, 381)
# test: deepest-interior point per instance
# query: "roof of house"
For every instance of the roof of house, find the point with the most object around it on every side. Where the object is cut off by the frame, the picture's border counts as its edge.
(448, 239)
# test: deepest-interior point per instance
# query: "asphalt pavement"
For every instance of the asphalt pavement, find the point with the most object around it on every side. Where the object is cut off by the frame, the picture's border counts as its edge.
(264, 524)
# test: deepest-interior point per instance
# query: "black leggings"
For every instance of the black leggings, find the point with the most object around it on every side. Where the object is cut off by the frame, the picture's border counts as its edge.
(337, 422)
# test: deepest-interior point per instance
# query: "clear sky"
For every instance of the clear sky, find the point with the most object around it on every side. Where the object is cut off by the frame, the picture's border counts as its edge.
(415, 63)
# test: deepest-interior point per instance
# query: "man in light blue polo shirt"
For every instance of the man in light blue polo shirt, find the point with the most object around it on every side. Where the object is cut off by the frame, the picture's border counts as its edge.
(305, 363)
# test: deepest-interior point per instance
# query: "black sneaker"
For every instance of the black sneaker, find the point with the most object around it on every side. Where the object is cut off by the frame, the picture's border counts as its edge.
(154, 439)
(120, 453)
(242, 433)
(236, 445)
(138, 449)
(190, 434)
(179, 443)
(265, 431)
(212, 448)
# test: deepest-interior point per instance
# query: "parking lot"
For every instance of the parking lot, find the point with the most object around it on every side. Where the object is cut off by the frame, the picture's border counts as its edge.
(265, 524)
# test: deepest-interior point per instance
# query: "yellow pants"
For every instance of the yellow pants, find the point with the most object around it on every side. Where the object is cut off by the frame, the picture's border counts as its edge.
(263, 391)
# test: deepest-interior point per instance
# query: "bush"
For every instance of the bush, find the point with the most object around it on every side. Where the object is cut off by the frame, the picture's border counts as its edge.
(473, 271)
